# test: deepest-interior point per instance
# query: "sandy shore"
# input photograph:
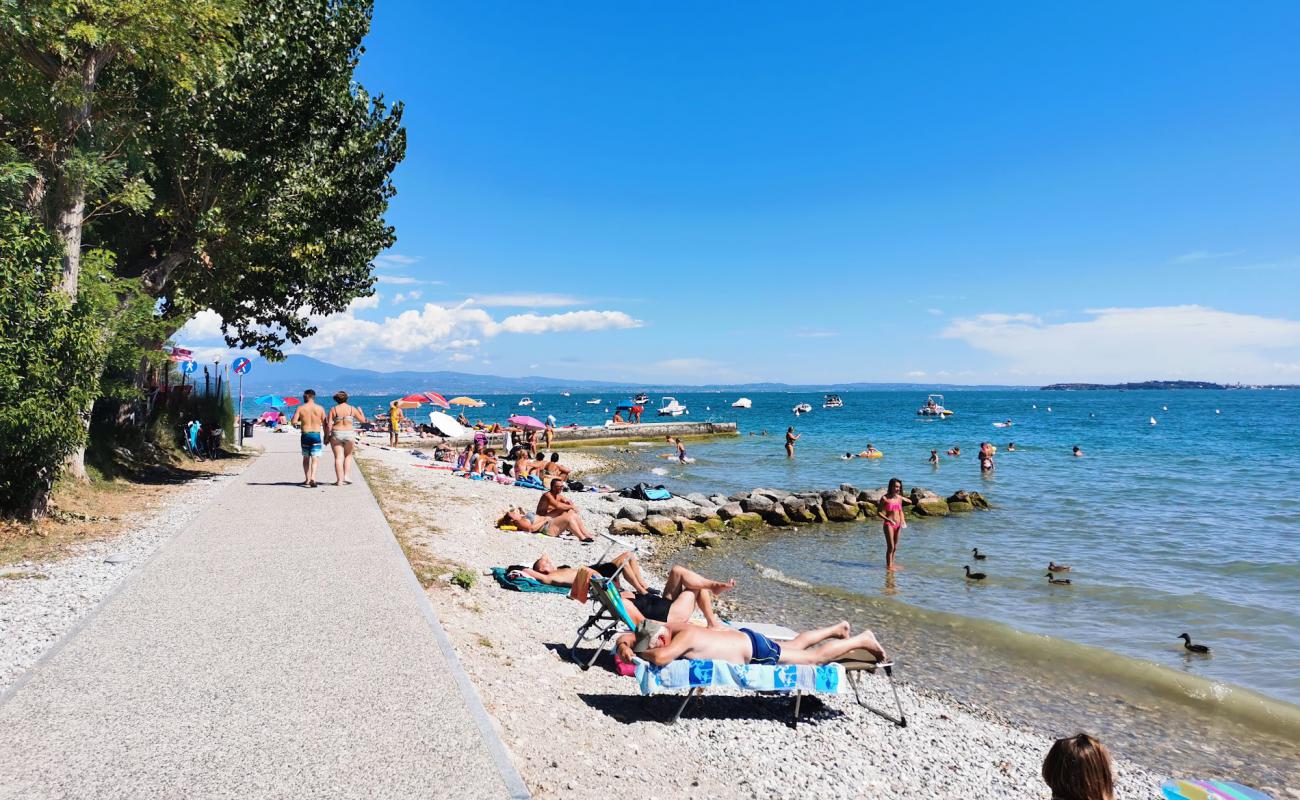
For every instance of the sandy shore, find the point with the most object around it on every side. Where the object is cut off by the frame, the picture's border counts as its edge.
(571, 731)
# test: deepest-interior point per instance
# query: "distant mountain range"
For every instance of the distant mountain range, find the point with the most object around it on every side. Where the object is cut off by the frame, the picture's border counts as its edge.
(1072, 387)
(299, 372)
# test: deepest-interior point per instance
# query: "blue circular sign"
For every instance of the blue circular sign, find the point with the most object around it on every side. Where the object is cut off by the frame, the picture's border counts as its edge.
(188, 367)
(241, 365)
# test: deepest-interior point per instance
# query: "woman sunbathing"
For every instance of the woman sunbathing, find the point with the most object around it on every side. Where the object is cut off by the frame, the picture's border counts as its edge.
(525, 521)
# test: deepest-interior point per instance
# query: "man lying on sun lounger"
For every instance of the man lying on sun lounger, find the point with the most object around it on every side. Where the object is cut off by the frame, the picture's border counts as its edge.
(661, 644)
(684, 590)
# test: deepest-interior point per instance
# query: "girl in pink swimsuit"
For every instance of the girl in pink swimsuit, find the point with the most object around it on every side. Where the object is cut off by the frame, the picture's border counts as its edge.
(891, 511)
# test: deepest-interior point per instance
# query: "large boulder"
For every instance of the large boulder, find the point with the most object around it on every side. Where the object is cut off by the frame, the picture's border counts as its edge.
(776, 516)
(701, 513)
(729, 510)
(707, 540)
(718, 499)
(692, 528)
(928, 504)
(960, 503)
(817, 513)
(660, 525)
(757, 504)
(626, 527)
(871, 495)
(714, 523)
(698, 499)
(977, 500)
(829, 494)
(746, 521)
(634, 511)
(737, 497)
(849, 488)
(840, 511)
(775, 495)
(869, 510)
(798, 510)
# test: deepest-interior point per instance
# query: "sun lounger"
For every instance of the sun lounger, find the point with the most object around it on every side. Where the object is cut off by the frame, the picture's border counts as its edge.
(696, 675)
(609, 615)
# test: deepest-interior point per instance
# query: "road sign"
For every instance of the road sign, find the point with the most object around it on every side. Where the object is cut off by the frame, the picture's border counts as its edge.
(241, 365)
(189, 367)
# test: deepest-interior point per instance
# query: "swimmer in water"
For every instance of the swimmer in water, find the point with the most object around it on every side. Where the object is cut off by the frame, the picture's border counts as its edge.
(681, 448)
(790, 438)
(934, 458)
(955, 451)
(848, 456)
(1011, 447)
(1077, 452)
(891, 511)
(870, 452)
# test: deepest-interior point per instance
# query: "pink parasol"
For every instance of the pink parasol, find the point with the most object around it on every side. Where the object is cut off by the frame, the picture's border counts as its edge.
(437, 399)
(526, 422)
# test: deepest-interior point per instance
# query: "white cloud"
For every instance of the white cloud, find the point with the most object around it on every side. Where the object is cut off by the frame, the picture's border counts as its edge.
(811, 334)
(364, 303)
(402, 297)
(396, 259)
(1117, 344)
(916, 373)
(935, 312)
(1202, 255)
(558, 323)
(460, 357)
(204, 327)
(526, 300)
(402, 280)
(344, 338)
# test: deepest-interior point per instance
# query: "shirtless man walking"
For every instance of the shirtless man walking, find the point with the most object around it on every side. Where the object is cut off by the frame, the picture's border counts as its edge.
(309, 418)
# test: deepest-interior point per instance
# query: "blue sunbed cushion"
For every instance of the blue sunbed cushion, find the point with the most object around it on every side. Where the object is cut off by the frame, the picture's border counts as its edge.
(692, 673)
(523, 583)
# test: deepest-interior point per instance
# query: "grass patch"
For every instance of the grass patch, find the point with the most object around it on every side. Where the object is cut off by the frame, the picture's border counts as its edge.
(485, 642)
(23, 575)
(408, 528)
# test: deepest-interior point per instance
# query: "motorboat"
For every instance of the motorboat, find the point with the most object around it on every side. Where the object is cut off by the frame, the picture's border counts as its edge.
(833, 401)
(641, 399)
(933, 407)
(525, 401)
(595, 401)
(669, 407)
(743, 402)
(802, 408)
(564, 394)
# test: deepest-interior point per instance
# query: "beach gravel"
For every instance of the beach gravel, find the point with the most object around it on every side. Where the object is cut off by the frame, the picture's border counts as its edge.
(572, 732)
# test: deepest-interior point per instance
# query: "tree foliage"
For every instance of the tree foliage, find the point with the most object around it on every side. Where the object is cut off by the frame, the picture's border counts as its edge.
(51, 355)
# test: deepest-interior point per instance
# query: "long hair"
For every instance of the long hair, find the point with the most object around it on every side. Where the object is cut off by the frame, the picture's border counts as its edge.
(1078, 768)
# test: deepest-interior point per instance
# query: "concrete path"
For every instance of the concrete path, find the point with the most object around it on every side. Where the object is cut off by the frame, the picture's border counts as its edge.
(279, 647)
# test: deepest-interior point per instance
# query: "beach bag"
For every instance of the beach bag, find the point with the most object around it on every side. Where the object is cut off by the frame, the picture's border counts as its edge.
(576, 486)
(658, 493)
(644, 492)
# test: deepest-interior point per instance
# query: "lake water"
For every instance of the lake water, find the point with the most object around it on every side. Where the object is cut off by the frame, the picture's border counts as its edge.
(1189, 525)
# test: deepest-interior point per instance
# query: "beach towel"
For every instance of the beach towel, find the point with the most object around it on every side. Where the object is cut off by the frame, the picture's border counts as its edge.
(531, 482)
(693, 673)
(523, 583)
(581, 583)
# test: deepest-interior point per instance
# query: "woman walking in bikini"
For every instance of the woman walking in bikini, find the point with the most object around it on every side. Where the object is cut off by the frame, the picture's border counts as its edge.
(343, 435)
(891, 511)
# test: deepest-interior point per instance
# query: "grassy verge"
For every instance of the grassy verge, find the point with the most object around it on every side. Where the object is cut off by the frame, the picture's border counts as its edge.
(412, 530)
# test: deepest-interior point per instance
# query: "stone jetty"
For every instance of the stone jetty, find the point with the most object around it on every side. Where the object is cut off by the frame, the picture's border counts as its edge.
(705, 518)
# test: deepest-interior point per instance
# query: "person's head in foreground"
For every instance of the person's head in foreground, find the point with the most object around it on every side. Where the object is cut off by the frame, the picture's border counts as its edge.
(649, 635)
(544, 565)
(309, 395)
(340, 397)
(1078, 768)
(555, 458)
(895, 486)
(557, 485)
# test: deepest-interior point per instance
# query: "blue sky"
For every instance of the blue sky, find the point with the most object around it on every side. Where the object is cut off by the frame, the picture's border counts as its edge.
(965, 193)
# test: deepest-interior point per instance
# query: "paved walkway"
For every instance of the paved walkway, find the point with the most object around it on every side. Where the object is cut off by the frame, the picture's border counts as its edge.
(279, 647)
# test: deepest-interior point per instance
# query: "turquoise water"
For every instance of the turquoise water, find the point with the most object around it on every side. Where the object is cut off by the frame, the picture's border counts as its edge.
(1192, 524)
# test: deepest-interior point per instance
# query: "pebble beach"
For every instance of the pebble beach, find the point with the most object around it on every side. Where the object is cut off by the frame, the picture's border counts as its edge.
(569, 730)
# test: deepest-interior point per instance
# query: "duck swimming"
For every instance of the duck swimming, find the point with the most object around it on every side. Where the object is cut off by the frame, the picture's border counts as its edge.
(1194, 648)
(1057, 581)
(974, 576)
(978, 555)
(1052, 566)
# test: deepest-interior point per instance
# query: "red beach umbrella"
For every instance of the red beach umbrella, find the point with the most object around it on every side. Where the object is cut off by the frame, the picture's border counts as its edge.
(415, 398)
(290, 401)
(527, 422)
(437, 399)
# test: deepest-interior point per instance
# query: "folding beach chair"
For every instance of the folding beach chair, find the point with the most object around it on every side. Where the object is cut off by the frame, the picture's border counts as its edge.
(860, 662)
(609, 613)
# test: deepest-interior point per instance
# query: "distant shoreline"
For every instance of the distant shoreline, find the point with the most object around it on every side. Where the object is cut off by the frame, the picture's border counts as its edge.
(1171, 385)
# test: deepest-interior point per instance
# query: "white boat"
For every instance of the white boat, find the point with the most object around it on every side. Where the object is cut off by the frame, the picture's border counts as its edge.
(642, 399)
(802, 408)
(669, 407)
(933, 407)
(525, 401)
(743, 402)
(564, 394)
(833, 401)
(594, 402)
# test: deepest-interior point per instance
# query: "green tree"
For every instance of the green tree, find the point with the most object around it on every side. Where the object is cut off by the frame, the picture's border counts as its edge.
(53, 57)
(51, 353)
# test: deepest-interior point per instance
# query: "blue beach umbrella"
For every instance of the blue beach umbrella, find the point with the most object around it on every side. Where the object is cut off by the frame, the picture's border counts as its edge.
(267, 400)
